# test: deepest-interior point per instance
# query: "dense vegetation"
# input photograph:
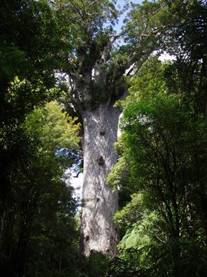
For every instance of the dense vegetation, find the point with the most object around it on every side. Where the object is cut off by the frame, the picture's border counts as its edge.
(36, 208)
(161, 170)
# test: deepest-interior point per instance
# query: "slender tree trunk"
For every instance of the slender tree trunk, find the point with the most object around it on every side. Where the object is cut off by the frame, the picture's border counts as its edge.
(99, 201)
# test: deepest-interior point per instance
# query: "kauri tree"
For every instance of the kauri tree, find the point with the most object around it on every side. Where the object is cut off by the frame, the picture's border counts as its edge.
(96, 66)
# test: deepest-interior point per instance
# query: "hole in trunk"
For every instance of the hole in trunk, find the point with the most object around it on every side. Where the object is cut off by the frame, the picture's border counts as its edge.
(100, 161)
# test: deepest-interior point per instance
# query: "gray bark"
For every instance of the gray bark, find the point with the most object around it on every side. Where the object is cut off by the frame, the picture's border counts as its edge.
(99, 201)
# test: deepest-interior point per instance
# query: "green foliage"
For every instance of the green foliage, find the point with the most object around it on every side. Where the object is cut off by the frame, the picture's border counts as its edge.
(140, 239)
(163, 146)
(42, 208)
(51, 128)
(97, 265)
(129, 214)
(11, 60)
(36, 207)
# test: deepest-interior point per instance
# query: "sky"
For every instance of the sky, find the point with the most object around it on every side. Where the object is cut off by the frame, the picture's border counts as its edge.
(120, 4)
(123, 2)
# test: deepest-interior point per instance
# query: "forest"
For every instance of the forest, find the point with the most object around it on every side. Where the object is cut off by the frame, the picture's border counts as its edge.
(118, 90)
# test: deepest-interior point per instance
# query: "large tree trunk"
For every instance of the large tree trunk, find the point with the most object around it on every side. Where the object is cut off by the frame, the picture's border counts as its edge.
(99, 201)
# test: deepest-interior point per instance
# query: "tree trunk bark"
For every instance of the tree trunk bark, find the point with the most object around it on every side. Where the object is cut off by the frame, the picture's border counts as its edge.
(99, 201)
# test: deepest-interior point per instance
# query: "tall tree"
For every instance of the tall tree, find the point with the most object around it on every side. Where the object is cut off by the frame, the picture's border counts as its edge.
(97, 65)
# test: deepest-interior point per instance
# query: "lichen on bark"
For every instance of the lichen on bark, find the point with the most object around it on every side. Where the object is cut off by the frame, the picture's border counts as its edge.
(100, 202)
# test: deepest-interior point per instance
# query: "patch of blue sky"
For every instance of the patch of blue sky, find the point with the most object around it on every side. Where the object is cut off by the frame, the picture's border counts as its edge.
(120, 5)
